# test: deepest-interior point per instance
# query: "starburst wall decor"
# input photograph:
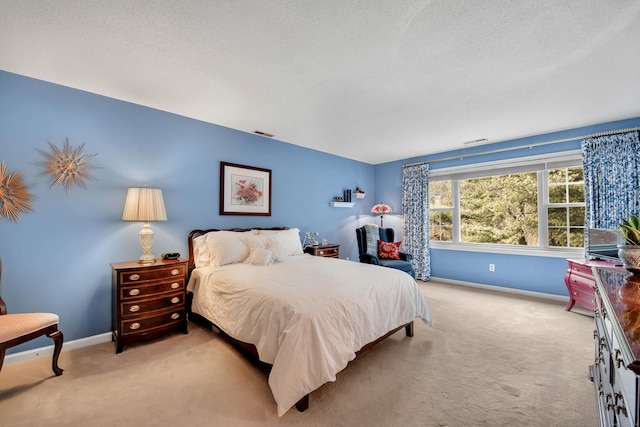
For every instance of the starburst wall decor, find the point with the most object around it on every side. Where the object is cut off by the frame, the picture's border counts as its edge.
(68, 166)
(14, 194)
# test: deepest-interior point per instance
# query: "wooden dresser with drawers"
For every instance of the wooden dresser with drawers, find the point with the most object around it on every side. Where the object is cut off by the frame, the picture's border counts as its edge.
(148, 300)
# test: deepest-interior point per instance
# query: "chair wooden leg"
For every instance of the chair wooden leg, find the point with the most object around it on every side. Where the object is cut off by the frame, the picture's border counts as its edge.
(57, 338)
(2, 351)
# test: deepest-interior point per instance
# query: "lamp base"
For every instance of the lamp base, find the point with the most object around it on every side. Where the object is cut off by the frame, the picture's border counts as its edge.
(146, 239)
(147, 259)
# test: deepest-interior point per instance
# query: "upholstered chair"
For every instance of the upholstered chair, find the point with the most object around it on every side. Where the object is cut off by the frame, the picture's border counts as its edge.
(19, 328)
(368, 250)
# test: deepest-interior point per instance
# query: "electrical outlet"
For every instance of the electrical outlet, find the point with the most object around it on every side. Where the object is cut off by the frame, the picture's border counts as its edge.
(492, 267)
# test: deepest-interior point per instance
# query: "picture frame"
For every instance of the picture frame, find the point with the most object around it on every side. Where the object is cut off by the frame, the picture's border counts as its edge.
(244, 190)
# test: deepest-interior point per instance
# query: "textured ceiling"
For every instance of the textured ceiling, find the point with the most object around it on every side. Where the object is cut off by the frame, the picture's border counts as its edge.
(372, 80)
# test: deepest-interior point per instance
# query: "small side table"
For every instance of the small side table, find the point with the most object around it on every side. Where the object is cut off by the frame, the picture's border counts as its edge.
(329, 250)
(580, 282)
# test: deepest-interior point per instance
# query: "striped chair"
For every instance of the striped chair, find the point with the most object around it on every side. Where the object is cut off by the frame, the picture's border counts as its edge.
(19, 328)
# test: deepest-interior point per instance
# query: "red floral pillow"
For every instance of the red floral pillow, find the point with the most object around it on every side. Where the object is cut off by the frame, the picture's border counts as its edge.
(389, 250)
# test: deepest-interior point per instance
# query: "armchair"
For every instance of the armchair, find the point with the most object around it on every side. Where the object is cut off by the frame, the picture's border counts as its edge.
(19, 328)
(386, 235)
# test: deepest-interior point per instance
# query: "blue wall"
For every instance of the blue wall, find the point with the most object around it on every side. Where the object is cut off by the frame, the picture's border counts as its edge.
(530, 273)
(57, 257)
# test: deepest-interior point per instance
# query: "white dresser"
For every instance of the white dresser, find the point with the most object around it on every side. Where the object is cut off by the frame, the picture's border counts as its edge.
(617, 346)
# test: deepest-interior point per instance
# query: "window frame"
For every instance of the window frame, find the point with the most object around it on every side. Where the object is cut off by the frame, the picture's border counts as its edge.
(537, 163)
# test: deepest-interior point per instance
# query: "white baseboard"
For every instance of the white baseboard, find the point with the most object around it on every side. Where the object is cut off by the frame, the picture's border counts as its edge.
(542, 295)
(68, 345)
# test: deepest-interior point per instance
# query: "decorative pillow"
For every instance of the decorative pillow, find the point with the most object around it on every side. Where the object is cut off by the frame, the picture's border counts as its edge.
(280, 250)
(290, 243)
(389, 250)
(227, 247)
(262, 250)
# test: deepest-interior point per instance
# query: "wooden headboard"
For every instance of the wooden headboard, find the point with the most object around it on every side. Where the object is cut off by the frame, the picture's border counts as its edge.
(196, 233)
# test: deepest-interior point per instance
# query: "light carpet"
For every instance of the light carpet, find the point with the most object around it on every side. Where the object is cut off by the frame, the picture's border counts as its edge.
(491, 359)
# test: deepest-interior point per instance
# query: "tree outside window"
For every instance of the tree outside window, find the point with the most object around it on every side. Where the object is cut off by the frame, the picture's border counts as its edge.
(504, 209)
(440, 211)
(566, 207)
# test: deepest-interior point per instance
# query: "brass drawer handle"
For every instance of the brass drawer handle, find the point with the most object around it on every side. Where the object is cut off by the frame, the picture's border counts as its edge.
(175, 272)
(134, 326)
(175, 300)
(134, 292)
(175, 316)
(134, 277)
(175, 285)
(134, 308)
(321, 252)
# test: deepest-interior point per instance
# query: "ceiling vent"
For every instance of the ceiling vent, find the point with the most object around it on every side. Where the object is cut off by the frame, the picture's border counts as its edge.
(259, 132)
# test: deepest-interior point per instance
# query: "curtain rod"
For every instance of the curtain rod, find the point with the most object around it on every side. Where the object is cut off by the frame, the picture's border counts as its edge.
(537, 144)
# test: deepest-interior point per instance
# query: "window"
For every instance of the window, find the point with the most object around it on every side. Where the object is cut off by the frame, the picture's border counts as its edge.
(440, 211)
(501, 209)
(565, 207)
(527, 203)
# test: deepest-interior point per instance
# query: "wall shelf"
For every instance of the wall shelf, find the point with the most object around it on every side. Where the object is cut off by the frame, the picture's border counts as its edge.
(342, 204)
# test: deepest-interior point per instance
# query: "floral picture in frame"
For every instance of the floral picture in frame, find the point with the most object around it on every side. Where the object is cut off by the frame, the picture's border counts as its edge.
(244, 190)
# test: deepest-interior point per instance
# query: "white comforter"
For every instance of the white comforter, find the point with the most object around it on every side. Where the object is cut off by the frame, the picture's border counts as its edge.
(308, 315)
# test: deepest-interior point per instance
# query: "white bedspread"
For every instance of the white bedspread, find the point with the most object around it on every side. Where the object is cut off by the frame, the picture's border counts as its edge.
(308, 315)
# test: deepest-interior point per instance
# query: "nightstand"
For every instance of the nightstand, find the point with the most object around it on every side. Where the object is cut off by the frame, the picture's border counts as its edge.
(148, 300)
(329, 250)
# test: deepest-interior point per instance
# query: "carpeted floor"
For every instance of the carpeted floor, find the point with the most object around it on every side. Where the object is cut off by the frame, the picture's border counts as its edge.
(491, 359)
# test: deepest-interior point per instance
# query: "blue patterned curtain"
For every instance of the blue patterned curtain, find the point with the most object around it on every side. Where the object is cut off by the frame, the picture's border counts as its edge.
(415, 209)
(611, 178)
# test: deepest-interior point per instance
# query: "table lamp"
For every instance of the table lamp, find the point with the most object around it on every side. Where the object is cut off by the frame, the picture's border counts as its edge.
(144, 205)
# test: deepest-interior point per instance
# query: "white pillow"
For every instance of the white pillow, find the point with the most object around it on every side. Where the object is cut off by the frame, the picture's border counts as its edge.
(227, 247)
(201, 251)
(280, 250)
(289, 240)
(259, 250)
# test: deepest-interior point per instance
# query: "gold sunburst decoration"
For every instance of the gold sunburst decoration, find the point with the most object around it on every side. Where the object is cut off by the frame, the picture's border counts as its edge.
(14, 194)
(68, 166)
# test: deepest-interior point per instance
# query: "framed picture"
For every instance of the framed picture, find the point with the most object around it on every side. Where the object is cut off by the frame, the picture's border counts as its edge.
(244, 190)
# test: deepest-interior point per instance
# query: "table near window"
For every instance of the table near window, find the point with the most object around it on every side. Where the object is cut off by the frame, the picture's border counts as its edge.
(580, 282)
(617, 346)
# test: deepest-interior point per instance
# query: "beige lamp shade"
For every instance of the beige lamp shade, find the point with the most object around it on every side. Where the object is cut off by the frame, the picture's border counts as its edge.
(144, 205)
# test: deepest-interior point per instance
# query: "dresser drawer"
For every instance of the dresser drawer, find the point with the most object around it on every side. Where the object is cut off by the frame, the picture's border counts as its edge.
(141, 307)
(582, 270)
(146, 274)
(142, 290)
(586, 298)
(329, 252)
(148, 324)
(584, 283)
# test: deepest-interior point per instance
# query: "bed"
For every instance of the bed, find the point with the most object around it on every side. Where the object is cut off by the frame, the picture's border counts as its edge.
(303, 316)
